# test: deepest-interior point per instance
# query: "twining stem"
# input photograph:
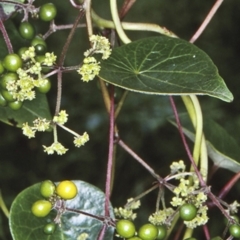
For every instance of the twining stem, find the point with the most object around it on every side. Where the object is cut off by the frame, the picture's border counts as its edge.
(61, 62)
(206, 21)
(110, 154)
(132, 26)
(3, 206)
(126, 7)
(224, 191)
(102, 219)
(194, 111)
(53, 28)
(6, 37)
(140, 160)
(59, 92)
(117, 22)
(188, 233)
(120, 103)
(202, 182)
(87, 5)
(69, 39)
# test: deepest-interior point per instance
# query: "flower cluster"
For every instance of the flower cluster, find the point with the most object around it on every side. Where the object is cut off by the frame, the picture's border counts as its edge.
(188, 191)
(61, 118)
(31, 77)
(91, 67)
(55, 147)
(99, 45)
(39, 124)
(80, 140)
(127, 211)
(161, 217)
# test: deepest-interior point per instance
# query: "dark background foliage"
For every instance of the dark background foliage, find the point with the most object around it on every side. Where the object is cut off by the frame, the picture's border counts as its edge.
(143, 121)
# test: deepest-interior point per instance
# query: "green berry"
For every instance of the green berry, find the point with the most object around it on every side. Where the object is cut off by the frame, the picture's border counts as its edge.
(26, 30)
(8, 78)
(7, 95)
(49, 228)
(38, 40)
(1, 67)
(125, 228)
(22, 50)
(148, 232)
(3, 101)
(47, 188)
(234, 230)
(12, 62)
(41, 208)
(188, 212)
(40, 49)
(16, 105)
(45, 88)
(134, 238)
(47, 12)
(162, 232)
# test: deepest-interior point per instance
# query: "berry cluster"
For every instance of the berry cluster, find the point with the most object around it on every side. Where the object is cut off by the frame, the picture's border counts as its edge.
(55, 197)
(126, 229)
(21, 72)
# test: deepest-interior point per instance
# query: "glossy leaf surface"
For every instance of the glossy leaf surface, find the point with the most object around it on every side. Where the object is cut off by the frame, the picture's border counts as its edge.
(24, 225)
(222, 148)
(164, 66)
(30, 110)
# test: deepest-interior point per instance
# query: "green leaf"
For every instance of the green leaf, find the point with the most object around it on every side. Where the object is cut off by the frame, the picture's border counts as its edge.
(24, 225)
(164, 66)
(30, 110)
(8, 8)
(222, 148)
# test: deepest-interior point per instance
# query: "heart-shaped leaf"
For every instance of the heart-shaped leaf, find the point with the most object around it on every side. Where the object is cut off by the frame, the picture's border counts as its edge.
(30, 110)
(24, 225)
(222, 148)
(164, 65)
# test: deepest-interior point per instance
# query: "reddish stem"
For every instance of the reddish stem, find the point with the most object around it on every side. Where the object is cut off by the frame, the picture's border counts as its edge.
(110, 154)
(206, 21)
(140, 160)
(229, 185)
(206, 232)
(6, 37)
(202, 182)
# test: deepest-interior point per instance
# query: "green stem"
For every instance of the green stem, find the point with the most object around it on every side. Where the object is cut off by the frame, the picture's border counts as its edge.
(88, 17)
(101, 22)
(3, 206)
(200, 152)
(188, 233)
(117, 22)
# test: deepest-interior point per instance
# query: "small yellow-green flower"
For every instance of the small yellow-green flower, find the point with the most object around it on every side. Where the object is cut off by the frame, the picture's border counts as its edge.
(89, 69)
(28, 131)
(50, 59)
(160, 217)
(55, 147)
(41, 124)
(61, 118)
(81, 140)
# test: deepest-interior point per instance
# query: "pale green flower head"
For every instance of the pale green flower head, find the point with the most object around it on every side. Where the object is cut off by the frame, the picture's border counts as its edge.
(81, 140)
(28, 131)
(55, 147)
(61, 118)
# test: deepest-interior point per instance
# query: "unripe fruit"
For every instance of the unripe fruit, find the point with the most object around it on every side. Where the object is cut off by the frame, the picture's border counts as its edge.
(67, 190)
(12, 62)
(41, 208)
(125, 228)
(47, 188)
